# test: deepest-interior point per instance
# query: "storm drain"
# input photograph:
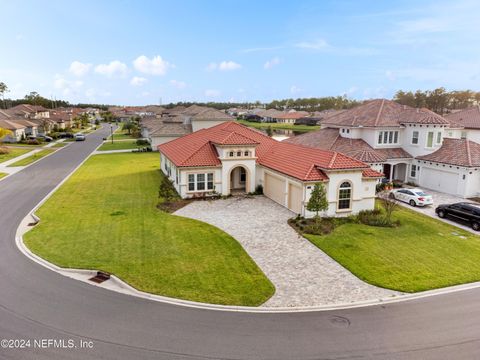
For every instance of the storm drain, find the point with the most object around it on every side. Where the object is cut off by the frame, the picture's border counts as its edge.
(100, 277)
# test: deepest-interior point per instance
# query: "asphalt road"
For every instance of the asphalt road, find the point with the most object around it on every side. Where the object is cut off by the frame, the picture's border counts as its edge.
(37, 304)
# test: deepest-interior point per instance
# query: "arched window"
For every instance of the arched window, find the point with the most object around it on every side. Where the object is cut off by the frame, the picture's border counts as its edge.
(345, 196)
(231, 154)
(246, 153)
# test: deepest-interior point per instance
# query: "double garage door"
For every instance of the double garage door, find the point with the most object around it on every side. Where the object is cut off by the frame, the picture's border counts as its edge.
(275, 189)
(439, 180)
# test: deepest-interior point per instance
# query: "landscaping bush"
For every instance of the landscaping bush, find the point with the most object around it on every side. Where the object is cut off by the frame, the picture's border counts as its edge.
(380, 187)
(375, 217)
(259, 190)
(323, 226)
(141, 142)
(4, 150)
(32, 142)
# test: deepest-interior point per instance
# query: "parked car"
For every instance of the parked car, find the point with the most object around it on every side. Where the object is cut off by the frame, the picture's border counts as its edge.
(44, 138)
(462, 211)
(79, 137)
(414, 197)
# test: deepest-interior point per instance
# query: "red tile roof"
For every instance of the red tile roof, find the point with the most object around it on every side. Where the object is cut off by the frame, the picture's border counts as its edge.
(330, 139)
(304, 163)
(459, 152)
(468, 118)
(371, 173)
(381, 113)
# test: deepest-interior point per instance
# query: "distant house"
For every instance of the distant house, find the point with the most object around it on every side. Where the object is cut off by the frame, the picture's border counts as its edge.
(290, 117)
(17, 131)
(230, 158)
(179, 121)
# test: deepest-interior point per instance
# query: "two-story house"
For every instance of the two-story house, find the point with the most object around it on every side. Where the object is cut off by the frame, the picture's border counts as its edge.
(405, 143)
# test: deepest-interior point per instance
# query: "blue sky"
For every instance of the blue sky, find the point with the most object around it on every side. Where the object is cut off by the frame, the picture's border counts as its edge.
(136, 52)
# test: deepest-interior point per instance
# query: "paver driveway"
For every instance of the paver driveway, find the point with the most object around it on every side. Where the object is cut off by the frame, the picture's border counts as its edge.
(303, 275)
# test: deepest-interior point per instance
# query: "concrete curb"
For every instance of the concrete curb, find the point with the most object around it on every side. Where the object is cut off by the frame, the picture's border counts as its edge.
(118, 285)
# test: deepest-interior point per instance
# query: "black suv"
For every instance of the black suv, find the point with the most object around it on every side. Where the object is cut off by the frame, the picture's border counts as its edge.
(461, 211)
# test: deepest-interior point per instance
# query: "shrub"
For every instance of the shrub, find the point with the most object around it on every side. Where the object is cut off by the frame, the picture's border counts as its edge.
(33, 142)
(380, 187)
(4, 150)
(167, 192)
(375, 217)
(141, 142)
(321, 227)
(259, 189)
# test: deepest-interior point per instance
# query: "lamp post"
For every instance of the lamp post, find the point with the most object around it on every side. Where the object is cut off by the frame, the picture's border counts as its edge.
(111, 132)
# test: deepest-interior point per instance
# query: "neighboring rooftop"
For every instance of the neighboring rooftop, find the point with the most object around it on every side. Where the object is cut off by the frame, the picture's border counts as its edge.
(330, 139)
(381, 113)
(468, 118)
(459, 152)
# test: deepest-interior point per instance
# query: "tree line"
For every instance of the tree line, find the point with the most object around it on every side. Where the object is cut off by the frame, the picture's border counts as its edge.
(438, 100)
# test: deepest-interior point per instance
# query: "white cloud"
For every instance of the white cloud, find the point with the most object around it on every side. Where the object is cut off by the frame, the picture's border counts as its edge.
(319, 44)
(229, 65)
(154, 66)
(79, 69)
(138, 81)
(295, 89)
(178, 84)
(66, 86)
(271, 63)
(92, 94)
(114, 68)
(224, 66)
(212, 93)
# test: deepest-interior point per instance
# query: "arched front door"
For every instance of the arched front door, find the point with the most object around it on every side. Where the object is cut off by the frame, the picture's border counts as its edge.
(238, 180)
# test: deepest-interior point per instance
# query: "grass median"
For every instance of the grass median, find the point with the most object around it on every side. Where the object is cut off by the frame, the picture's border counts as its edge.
(32, 158)
(105, 218)
(13, 153)
(422, 253)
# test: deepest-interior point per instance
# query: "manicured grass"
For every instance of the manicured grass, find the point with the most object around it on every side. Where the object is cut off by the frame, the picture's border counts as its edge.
(119, 145)
(3, 175)
(263, 126)
(58, 145)
(121, 136)
(27, 145)
(421, 254)
(30, 159)
(105, 217)
(14, 152)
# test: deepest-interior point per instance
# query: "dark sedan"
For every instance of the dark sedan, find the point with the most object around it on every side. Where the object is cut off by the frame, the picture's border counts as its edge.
(463, 212)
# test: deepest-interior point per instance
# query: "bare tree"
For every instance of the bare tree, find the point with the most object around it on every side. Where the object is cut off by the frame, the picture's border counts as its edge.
(389, 203)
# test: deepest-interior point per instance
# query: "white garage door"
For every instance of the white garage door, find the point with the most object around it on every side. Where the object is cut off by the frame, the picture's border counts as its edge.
(275, 188)
(295, 198)
(439, 180)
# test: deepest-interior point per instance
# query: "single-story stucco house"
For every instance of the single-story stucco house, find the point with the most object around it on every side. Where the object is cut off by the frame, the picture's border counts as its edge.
(229, 158)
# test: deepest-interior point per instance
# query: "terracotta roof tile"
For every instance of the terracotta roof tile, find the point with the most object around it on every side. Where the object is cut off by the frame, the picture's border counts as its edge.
(459, 152)
(468, 118)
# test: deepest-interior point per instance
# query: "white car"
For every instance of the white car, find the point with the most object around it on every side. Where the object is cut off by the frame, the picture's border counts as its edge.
(415, 197)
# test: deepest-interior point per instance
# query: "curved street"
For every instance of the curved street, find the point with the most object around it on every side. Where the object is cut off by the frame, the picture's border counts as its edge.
(36, 303)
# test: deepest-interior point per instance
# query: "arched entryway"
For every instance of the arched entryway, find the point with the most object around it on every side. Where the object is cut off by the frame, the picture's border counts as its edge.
(239, 180)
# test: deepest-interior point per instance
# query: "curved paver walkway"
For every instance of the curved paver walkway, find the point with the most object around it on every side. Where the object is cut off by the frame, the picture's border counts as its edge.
(303, 275)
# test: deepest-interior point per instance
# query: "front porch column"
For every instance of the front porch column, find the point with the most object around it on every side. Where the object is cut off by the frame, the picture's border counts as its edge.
(392, 169)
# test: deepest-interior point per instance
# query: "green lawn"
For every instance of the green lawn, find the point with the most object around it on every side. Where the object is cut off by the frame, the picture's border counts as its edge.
(105, 217)
(263, 126)
(14, 152)
(32, 158)
(421, 254)
(119, 145)
(3, 175)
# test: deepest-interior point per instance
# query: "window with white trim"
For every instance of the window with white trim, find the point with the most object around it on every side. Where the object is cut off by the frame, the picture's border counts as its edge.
(387, 137)
(413, 170)
(243, 175)
(430, 135)
(439, 138)
(200, 182)
(415, 138)
(344, 196)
